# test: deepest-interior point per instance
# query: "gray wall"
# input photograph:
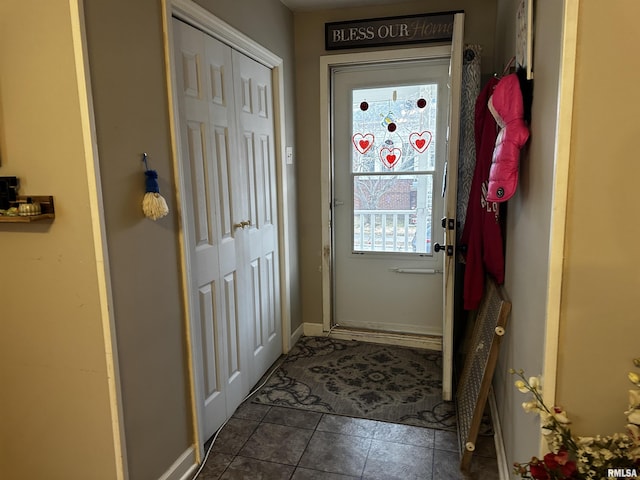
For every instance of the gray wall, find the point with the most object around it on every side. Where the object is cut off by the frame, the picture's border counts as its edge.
(529, 227)
(126, 61)
(130, 99)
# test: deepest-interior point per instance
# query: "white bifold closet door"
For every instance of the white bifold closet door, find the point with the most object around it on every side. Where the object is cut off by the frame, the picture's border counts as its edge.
(227, 170)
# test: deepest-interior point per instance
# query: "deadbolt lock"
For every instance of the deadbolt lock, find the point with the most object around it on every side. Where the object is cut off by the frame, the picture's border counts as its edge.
(448, 223)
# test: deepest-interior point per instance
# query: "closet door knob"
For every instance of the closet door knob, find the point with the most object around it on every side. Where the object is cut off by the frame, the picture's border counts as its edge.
(238, 225)
(246, 223)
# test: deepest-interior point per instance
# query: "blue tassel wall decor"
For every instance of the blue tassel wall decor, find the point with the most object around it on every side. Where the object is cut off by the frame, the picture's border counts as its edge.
(154, 205)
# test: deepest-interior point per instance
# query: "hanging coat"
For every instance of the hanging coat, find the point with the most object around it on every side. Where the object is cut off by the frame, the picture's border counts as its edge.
(482, 233)
(507, 107)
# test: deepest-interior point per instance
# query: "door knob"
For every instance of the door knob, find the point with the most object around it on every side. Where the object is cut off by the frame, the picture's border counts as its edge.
(244, 223)
(444, 248)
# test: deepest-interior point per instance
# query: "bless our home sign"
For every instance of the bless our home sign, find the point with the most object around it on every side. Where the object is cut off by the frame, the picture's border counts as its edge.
(432, 27)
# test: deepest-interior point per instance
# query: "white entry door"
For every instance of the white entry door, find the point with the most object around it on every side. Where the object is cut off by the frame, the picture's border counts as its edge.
(227, 177)
(390, 125)
(394, 131)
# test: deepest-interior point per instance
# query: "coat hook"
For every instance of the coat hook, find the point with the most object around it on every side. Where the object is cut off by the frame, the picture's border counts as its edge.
(144, 159)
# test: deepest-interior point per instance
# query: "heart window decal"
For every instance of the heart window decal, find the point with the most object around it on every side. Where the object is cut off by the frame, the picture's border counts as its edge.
(420, 141)
(390, 156)
(363, 142)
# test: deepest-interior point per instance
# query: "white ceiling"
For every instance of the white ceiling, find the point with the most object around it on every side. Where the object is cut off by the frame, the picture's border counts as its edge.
(308, 5)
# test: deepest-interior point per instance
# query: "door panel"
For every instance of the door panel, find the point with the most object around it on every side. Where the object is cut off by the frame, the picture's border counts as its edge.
(256, 302)
(222, 164)
(270, 313)
(385, 187)
(232, 333)
(207, 322)
(201, 112)
(259, 237)
(228, 170)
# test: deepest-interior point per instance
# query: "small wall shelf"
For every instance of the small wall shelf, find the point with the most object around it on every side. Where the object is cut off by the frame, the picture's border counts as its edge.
(46, 204)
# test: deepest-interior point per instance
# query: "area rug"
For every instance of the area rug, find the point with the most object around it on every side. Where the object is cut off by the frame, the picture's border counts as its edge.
(365, 380)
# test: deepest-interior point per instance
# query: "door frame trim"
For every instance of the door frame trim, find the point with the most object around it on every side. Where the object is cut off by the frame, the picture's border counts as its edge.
(559, 202)
(99, 229)
(327, 63)
(204, 20)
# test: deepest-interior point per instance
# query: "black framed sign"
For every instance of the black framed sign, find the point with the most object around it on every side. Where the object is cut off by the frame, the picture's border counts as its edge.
(376, 32)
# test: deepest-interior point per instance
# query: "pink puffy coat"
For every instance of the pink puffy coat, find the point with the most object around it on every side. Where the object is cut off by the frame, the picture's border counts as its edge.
(507, 108)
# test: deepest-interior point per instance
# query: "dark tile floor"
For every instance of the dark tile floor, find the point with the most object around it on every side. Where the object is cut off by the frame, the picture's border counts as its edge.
(262, 442)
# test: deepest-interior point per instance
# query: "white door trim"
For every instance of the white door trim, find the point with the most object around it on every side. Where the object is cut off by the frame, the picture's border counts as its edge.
(328, 62)
(98, 226)
(564, 118)
(204, 20)
(453, 145)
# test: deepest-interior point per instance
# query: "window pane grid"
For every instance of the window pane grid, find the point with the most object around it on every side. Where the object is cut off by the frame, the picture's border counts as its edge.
(393, 168)
(392, 213)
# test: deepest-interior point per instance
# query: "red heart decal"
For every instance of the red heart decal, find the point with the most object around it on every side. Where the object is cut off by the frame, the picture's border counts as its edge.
(420, 141)
(390, 156)
(363, 142)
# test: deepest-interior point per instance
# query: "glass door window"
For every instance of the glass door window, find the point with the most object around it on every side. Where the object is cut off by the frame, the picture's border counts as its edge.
(393, 163)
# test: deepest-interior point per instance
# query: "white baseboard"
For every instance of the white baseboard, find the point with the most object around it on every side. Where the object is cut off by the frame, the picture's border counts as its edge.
(428, 342)
(183, 467)
(394, 328)
(501, 456)
(313, 330)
